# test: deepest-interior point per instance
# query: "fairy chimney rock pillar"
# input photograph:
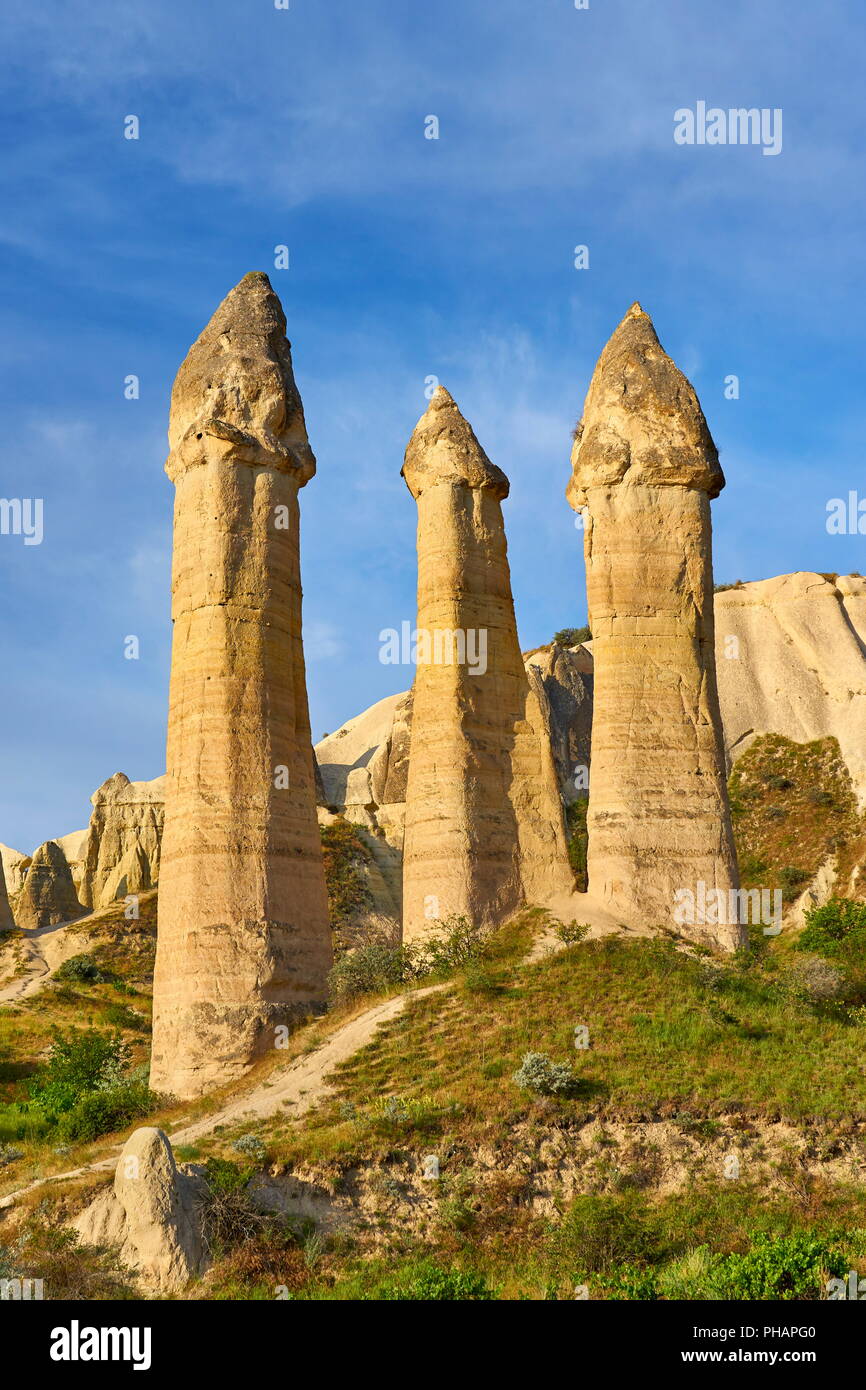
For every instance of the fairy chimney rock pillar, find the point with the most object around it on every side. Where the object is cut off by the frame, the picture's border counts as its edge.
(244, 941)
(644, 469)
(484, 820)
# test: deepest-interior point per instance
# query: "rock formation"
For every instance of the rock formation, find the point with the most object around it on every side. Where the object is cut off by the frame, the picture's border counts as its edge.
(121, 852)
(244, 941)
(15, 866)
(48, 895)
(484, 824)
(791, 660)
(74, 846)
(644, 470)
(6, 918)
(151, 1214)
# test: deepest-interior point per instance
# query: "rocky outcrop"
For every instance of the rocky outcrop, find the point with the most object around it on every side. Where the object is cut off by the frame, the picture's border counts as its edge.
(6, 918)
(244, 942)
(74, 846)
(484, 828)
(151, 1215)
(644, 468)
(15, 866)
(48, 895)
(791, 660)
(122, 846)
(562, 680)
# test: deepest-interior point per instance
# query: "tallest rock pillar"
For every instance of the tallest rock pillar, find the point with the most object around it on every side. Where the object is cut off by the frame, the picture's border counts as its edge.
(645, 467)
(243, 939)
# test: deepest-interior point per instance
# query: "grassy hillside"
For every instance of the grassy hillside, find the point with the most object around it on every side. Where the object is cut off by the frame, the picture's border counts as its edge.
(709, 1141)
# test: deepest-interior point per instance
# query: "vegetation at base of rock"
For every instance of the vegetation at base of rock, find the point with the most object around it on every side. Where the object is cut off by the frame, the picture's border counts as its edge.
(454, 943)
(345, 856)
(838, 925)
(375, 968)
(793, 808)
(232, 1219)
(70, 1270)
(578, 839)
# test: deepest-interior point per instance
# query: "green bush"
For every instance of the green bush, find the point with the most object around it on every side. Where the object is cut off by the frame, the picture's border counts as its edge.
(429, 1282)
(450, 945)
(571, 933)
(250, 1146)
(572, 636)
(82, 969)
(791, 877)
(231, 1217)
(370, 969)
(830, 927)
(345, 858)
(103, 1112)
(780, 1268)
(79, 1061)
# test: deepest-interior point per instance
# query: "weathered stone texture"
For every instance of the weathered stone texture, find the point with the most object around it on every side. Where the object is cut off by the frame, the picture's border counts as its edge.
(244, 938)
(48, 895)
(484, 826)
(121, 852)
(644, 470)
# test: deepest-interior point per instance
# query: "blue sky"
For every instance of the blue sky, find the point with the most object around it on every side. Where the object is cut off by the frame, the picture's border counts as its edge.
(408, 258)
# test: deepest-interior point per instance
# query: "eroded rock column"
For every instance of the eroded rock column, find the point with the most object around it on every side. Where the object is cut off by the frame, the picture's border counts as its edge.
(644, 470)
(244, 942)
(484, 821)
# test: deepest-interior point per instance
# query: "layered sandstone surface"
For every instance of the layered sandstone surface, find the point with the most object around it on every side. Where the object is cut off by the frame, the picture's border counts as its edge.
(484, 828)
(244, 941)
(791, 660)
(122, 846)
(48, 895)
(644, 468)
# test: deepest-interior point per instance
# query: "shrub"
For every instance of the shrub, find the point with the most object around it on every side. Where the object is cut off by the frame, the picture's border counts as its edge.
(830, 926)
(571, 933)
(542, 1077)
(370, 969)
(230, 1216)
(82, 969)
(345, 857)
(817, 981)
(429, 1282)
(71, 1270)
(102, 1112)
(791, 877)
(79, 1061)
(578, 839)
(780, 1268)
(9, 1154)
(250, 1146)
(572, 636)
(450, 945)
(628, 1282)
(598, 1233)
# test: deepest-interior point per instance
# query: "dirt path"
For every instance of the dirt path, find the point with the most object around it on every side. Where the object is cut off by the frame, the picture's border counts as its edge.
(43, 950)
(295, 1091)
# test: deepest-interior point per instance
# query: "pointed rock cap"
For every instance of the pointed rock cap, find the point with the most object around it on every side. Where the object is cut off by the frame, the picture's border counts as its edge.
(443, 449)
(235, 395)
(642, 422)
